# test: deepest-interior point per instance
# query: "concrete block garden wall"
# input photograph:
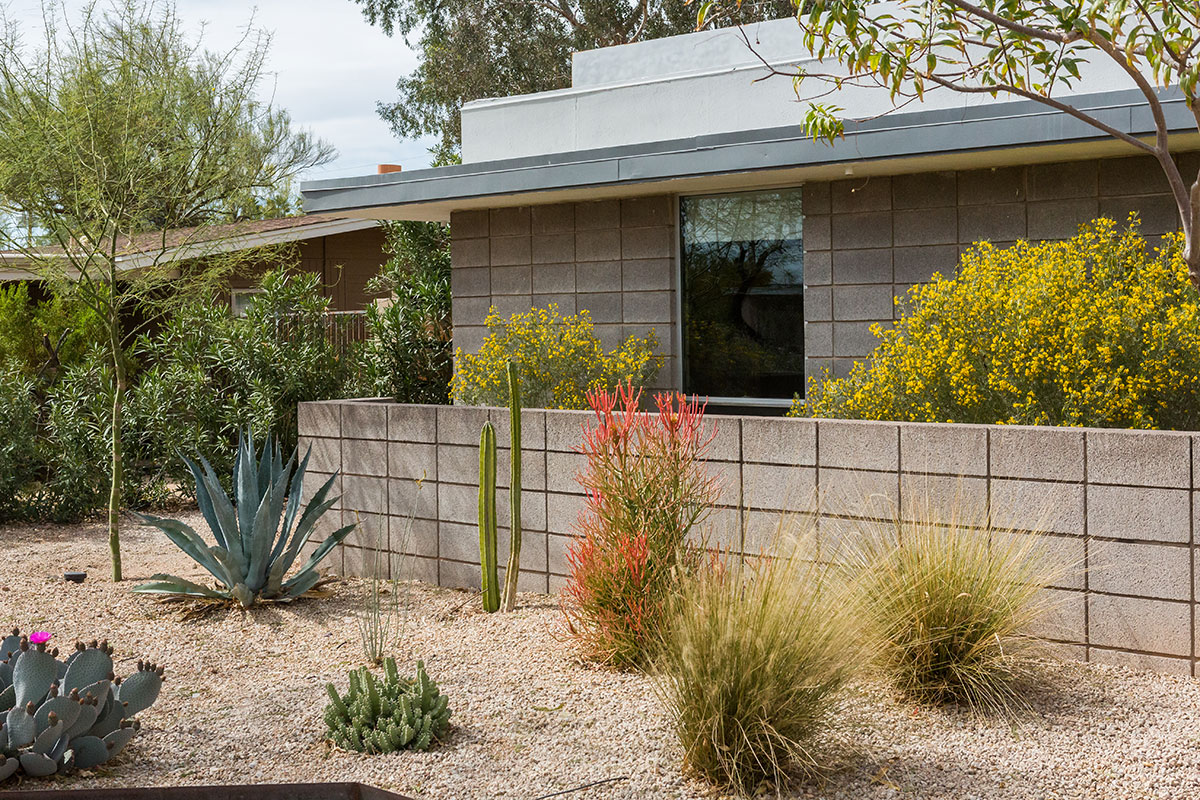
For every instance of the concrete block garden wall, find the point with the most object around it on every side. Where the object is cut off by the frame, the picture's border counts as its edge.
(867, 240)
(1120, 506)
(615, 258)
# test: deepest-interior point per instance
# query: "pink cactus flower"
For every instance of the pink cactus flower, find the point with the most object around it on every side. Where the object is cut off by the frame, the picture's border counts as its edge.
(39, 637)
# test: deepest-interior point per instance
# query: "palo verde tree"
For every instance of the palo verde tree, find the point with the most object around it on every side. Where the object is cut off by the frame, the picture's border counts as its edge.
(117, 133)
(1023, 48)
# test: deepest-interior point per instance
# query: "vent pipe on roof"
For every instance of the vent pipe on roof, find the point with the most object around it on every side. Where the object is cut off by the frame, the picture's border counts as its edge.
(384, 169)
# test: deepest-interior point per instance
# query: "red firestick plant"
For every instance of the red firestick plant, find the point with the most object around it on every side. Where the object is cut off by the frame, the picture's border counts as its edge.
(646, 489)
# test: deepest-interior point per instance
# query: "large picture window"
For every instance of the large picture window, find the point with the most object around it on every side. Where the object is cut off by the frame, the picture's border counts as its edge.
(742, 260)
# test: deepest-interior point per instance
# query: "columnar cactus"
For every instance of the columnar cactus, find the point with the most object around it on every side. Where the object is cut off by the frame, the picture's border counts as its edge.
(384, 716)
(487, 519)
(56, 716)
(514, 505)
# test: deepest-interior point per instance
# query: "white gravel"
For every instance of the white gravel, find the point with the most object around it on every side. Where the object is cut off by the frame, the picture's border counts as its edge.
(245, 694)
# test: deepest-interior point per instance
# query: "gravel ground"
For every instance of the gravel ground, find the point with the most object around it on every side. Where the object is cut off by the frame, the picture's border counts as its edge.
(245, 694)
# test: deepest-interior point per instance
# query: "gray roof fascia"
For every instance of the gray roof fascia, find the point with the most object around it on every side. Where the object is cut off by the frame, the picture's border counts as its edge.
(987, 127)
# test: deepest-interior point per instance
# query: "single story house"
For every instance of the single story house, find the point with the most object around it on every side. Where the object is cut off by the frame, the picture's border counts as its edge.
(672, 187)
(345, 251)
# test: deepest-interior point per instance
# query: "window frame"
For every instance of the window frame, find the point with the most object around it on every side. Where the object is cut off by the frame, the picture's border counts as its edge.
(235, 293)
(680, 339)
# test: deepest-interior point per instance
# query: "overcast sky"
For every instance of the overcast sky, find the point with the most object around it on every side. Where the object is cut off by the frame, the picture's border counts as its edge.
(329, 68)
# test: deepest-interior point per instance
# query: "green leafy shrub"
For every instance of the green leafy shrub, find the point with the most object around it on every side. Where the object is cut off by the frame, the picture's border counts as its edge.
(1101, 330)
(408, 354)
(58, 451)
(61, 321)
(560, 360)
(60, 716)
(647, 489)
(195, 383)
(209, 375)
(952, 607)
(753, 666)
(389, 715)
(256, 541)
(19, 456)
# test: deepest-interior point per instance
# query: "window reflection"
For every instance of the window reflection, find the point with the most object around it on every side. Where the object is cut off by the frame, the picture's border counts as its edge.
(743, 294)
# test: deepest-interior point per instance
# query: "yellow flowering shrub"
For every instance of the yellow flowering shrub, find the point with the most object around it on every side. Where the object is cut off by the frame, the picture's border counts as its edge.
(560, 360)
(1101, 330)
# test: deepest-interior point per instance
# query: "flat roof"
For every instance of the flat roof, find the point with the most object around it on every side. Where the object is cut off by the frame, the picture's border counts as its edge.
(997, 134)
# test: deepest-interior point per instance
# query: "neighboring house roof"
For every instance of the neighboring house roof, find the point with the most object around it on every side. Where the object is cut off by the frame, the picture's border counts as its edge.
(696, 113)
(180, 244)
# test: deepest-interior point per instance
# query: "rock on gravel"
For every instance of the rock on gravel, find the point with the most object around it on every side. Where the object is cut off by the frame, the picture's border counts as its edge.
(245, 694)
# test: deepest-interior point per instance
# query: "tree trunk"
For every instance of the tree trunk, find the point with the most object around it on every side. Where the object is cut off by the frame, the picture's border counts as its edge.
(1191, 217)
(117, 470)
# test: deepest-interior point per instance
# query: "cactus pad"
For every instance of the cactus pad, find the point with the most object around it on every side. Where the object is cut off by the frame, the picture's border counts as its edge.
(21, 728)
(90, 751)
(140, 690)
(36, 765)
(35, 671)
(88, 666)
(57, 715)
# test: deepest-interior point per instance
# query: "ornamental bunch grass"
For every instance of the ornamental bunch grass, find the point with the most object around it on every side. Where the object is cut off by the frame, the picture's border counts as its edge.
(952, 606)
(646, 490)
(560, 360)
(1102, 330)
(754, 665)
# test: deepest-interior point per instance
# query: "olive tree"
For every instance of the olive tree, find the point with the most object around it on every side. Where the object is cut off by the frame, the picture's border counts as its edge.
(124, 141)
(1031, 49)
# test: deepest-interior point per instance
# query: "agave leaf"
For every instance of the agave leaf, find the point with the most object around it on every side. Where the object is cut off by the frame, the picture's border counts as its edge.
(227, 559)
(266, 523)
(263, 470)
(226, 516)
(205, 501)
(293, 504)
(191, 543)
(171, 584)
(281, 565)
(248, 496)
(322, 550)
(299, 584)
(303, 531)
(317, 506)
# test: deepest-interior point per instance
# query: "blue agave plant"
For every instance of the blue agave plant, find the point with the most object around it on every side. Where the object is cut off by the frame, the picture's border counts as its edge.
(253, 551)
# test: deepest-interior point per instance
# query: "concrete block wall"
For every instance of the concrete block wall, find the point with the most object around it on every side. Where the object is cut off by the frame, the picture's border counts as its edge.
(615, 258)
(1119, 507)
(868, 240)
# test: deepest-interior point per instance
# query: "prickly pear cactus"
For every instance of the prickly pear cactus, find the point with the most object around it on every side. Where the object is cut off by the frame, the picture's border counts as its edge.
(56, 716)
(384, 716)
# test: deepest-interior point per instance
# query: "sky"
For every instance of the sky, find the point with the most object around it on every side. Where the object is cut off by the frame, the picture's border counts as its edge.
(328, 66)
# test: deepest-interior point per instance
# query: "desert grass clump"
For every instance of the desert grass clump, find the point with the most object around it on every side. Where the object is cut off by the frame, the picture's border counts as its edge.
(952, 608)
(753, 666)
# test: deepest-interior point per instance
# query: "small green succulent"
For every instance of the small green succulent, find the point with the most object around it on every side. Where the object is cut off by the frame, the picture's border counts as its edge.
(384, 716)
(259, 538)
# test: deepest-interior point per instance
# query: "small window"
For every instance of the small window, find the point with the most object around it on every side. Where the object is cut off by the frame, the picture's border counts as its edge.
(240, 300)
(742, 262)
